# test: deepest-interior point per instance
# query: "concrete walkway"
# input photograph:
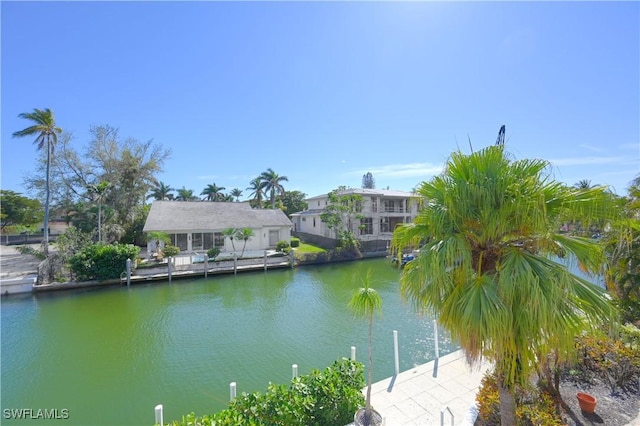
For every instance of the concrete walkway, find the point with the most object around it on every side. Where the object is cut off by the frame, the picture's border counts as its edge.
(417, 396)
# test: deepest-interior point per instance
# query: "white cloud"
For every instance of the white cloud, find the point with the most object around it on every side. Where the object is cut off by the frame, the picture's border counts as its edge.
(583, 161)
(591, 148)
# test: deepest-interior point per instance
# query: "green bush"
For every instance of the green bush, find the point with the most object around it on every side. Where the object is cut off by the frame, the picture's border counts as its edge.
(212, 253)
(282, 246)
(170, 251)
(295, 242)
(102, 262)
(330, 397)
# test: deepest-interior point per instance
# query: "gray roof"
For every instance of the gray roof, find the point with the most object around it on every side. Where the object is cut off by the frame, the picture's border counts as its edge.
(187, 216)
(371, 192)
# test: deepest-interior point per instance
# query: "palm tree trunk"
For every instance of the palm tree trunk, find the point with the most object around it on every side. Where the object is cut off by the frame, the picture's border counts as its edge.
(99, 222)
(45, 241)
(367, 407)
(507, 406)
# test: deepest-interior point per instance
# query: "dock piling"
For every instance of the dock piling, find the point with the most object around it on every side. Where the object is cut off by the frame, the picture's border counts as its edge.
(232, 390)
(159, 416)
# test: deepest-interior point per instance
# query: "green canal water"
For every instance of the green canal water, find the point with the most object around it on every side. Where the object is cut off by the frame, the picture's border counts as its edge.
(109, 356)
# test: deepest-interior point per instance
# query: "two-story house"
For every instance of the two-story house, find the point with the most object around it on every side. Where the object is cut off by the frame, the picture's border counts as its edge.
(382, 211)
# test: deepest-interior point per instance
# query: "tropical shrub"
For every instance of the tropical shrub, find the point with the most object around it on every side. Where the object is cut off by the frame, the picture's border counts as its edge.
(283, 246)
(102, 262)
(329, 397)
(295, 242)
(170, 251)
(534, 406)
(213, 252)
(611, 360)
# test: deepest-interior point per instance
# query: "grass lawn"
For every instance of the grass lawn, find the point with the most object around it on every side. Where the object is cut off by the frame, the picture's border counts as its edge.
(308, 248)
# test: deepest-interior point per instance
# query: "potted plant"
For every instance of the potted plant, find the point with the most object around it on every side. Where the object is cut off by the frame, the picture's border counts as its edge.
(587, 402)
(365, 303)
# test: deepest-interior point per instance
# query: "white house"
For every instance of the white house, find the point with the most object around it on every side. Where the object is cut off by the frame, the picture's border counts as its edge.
(198, 225)
(382, 209)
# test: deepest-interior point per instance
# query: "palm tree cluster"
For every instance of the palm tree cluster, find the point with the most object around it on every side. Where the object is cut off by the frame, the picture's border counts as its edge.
(268, 183)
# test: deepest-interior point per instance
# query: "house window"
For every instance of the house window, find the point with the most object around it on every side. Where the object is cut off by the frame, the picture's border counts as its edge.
(374, 205)
(389, 206)
(207, 240)
(196, 241)
(314, 222)
(218, 239)
(384, 224)
(180, 241)
(366, 226)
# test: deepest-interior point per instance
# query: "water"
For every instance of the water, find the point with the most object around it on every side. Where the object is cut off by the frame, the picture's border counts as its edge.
(108, 356)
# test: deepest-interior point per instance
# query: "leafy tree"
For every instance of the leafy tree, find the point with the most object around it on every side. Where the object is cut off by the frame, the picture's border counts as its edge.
(72, 241)
(365, 303)
(46, 132)
(15, 209)
(368, 181)
(244, 234)
(161, 191)
(293, 201)
(129, 165)
(213, 192)
(186, 195)
(272, 182)
(236, 193)
(489, 271)
(340, 216)
(70, 175)
(133, 233)
(257, 193)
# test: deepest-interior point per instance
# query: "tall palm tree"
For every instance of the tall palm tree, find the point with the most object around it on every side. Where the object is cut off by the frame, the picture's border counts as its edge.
(212, 192)
(185, 194)
(492, 270)
(46, 132)
(161, 191)
(98, 191)
(365, 302)
(583, 184)
(257, 193)
(271, 182)
(236, 193)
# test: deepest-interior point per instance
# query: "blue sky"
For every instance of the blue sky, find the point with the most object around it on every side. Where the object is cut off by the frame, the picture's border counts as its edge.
(325, 92)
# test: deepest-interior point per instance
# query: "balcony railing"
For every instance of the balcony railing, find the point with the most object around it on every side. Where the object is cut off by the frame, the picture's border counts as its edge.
(390, 209)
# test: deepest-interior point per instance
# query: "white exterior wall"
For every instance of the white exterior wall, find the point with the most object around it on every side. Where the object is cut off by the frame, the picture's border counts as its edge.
(403, 208)
(260, 240)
